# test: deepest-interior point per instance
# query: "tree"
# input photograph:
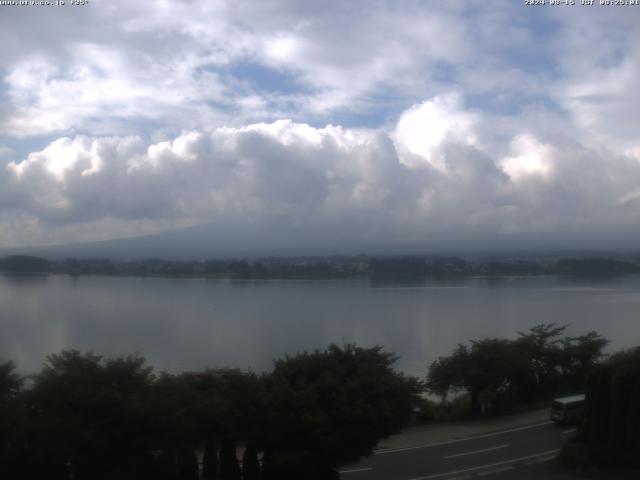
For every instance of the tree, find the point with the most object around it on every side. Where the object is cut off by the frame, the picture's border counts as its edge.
(580, 355)
(446, 373)
(91, 415)
(210, 460)
(187, 464)
(11, 420)
(174, 404)
(484, 370)
(250, 463)
(499, 372)
(611, 428)
(329, 408)
(229, 466)
(230, 409)
(541, 345)
(10, 381)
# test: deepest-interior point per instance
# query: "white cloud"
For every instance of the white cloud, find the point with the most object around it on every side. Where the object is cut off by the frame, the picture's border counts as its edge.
(103, 88)
(598, 78)
(141, 117)
(166, 62)
(602, 106)
(289, 172)
(529, 157)
(424, 128)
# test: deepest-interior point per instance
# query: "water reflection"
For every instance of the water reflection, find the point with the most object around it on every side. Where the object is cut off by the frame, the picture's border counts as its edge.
(20, 279)
(181, 324)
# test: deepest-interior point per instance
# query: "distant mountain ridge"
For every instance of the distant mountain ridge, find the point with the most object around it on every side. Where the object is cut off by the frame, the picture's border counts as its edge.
(231, 240)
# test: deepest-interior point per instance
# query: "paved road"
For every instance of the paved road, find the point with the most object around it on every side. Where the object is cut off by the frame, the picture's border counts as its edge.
(478, 455)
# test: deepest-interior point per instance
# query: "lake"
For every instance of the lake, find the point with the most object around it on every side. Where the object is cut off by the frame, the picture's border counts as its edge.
(183, 324)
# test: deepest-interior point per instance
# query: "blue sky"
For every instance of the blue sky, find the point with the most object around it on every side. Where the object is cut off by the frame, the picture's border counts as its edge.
(404, 121)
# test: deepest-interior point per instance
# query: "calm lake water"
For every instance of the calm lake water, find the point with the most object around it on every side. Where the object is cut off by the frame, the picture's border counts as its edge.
(181, 324)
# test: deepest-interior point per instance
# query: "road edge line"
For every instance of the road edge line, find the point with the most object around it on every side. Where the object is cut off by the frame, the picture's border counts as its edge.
(484, 450)
(489, 465)
(458, 440)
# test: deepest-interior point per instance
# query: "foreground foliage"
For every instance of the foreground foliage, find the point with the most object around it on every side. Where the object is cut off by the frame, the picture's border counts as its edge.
(330, 408)
(611, 430)
(89, 417)
(499, 373)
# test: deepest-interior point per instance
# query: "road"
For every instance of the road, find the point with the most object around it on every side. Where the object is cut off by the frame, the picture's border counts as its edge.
(463, 458)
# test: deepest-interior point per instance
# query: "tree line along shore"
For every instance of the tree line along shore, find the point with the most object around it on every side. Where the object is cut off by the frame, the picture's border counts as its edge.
(376, 268)
(84, 416)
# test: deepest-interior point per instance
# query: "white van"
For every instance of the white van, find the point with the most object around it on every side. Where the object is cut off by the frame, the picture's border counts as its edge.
(567, 410)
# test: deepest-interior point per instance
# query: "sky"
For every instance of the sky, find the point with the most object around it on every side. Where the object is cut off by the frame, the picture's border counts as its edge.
(418, 123)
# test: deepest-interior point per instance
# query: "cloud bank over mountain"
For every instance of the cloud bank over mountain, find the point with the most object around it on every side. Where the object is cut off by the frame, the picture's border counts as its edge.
(385, 122)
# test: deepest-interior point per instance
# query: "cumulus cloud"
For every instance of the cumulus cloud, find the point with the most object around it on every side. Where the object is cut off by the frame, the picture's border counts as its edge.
(530, 157)
(288, 173)
(405, 122)
(425, 127)
(282, 168)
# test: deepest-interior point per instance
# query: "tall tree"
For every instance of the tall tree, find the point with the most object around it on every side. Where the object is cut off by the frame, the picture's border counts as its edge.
(210, 460)
(229, 466)
(11, 421)
(541, 345)
(250, 463)
(484, 369)
(10, 381)
(495, 372)
(91, 414)
(579, 357)
(329, 408)
(611, 428)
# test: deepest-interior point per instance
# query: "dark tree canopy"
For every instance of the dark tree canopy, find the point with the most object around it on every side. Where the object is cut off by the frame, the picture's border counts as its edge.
(537, 364)
(486, 367)
(329, 408)
(89, 417)
(10, 381)
(11, 428)
(611, 429)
